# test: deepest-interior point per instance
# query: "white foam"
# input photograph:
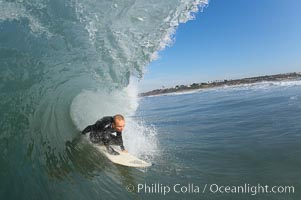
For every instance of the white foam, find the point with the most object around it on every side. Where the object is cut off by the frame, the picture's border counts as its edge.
(181, 17)
(140, 140)
(14, 11)
(89, 106)
(253, 86)
(267, 85)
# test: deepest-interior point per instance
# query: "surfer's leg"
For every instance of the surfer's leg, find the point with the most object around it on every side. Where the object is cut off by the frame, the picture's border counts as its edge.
(114, 140)
(95, 137)
(107, 140)
(87, 129)
(111, 150)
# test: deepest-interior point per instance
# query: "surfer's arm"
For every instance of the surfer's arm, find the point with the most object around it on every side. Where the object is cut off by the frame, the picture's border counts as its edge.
(99, 125)
(87, 129)
(102, 123)
(120, 141)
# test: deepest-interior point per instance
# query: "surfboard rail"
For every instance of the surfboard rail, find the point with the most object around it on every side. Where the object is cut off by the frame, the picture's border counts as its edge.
(125, 159)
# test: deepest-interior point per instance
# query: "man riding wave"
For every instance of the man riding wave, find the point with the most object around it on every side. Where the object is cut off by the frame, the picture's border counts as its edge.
(101, 132)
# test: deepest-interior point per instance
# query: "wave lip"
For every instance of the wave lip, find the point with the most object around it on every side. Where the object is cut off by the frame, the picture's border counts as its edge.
(51, 52)
(64, 64)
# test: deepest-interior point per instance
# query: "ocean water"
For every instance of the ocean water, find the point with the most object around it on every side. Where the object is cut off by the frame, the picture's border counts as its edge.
(65, 64)
(245, 136)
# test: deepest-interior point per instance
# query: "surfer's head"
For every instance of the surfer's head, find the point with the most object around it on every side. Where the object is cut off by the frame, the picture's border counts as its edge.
(118, 123)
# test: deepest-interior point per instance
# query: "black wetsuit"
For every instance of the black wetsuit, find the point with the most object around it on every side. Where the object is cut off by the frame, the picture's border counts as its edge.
(101, 132)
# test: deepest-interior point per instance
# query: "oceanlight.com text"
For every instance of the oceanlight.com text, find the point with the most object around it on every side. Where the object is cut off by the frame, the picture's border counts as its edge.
(191, 188)
(251, 189)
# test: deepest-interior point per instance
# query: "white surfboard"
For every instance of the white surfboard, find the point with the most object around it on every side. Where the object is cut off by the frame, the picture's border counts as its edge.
(125, 159)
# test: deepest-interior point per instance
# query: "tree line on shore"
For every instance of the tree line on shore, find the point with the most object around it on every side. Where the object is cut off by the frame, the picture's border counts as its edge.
(218, 83)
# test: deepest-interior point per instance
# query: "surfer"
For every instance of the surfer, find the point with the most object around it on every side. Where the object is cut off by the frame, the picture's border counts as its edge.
(101, 132)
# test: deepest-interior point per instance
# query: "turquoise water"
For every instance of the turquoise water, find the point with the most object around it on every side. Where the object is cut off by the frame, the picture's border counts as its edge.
(65, 64)
(232, 136)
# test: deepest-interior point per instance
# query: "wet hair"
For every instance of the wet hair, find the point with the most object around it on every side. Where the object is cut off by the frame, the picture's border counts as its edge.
(118, 117)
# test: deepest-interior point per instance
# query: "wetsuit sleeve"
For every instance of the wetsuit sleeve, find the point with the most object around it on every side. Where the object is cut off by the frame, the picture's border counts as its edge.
(87, 129)
(99, 125)
(120, 141)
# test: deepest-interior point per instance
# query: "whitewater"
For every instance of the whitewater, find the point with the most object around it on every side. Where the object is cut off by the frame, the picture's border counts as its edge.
(65, 64)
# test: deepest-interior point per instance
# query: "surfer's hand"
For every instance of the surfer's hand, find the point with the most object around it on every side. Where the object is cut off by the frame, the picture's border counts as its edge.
(124, 151)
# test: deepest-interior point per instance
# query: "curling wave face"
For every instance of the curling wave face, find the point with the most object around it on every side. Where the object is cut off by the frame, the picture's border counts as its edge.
(62, 59)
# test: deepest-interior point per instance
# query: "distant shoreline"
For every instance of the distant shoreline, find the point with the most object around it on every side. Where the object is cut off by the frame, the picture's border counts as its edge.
(213, 84)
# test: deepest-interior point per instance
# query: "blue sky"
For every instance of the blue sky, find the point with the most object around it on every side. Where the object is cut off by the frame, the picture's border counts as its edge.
(231, 39)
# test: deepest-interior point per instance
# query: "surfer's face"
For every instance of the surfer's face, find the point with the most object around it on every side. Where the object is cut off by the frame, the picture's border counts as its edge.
(118, 125)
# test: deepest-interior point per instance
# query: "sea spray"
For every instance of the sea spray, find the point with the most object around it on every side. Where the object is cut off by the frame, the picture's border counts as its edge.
(53, 54)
